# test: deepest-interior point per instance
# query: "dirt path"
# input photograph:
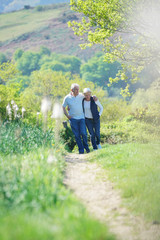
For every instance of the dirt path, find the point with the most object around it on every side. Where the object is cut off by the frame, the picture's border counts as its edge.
(92, 187)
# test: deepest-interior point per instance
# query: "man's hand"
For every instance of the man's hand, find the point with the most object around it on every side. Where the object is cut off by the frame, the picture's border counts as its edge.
(65, 112)
(95, 98)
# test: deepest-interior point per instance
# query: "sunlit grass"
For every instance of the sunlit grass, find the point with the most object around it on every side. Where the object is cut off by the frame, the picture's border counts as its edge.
(34, 203)
(18, 137)
(135, 169)
(17, 23)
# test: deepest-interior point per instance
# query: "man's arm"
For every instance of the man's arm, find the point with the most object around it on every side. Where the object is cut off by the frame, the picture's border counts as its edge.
(66, 113)
(94, 97)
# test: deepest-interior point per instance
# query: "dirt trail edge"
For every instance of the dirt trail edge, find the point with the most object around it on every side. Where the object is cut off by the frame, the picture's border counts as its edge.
(97, 193)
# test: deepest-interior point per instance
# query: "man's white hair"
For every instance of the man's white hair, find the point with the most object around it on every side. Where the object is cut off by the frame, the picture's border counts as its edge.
(74, 85)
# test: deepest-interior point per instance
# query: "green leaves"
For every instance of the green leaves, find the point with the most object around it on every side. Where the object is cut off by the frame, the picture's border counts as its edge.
(21, 138)
(119, 28)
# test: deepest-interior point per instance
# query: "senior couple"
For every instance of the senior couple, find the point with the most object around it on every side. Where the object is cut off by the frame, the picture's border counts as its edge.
(82, 111)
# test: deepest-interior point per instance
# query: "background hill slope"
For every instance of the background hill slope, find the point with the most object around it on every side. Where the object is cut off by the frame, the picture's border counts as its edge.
(29, 29)
(12, 5)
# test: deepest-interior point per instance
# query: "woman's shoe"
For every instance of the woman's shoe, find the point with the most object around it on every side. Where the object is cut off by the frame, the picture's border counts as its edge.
(99, 146)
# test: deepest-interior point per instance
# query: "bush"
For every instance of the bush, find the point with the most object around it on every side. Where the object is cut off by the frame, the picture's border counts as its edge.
(68, 138)
(27, 6)
(39, 8)
(129, 131)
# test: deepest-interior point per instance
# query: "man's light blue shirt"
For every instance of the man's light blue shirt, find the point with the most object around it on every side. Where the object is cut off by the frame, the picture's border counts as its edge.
(75, 105)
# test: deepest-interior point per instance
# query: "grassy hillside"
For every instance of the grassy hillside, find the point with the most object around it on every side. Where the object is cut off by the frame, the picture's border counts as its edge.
(14, 5)
(47, 26)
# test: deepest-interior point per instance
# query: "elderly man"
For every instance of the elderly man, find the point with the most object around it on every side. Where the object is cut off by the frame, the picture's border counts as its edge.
(76, 117)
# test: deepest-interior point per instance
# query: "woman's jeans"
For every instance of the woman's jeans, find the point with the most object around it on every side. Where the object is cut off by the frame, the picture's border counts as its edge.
(79, 130)
(94, 131)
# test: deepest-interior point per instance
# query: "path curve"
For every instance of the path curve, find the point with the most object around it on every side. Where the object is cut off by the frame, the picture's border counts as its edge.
(92, 187)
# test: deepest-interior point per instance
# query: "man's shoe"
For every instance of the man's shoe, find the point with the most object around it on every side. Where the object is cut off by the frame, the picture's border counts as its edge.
(81, 152)
(87, 151)
(99, 146)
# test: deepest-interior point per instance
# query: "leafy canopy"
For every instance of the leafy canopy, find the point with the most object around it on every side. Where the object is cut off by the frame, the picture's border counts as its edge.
(122, 28)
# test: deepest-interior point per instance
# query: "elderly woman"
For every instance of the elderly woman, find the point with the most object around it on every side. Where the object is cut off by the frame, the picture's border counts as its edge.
(92, 117)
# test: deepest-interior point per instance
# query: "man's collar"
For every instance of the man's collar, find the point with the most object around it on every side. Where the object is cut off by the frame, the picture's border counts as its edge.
(71, 93)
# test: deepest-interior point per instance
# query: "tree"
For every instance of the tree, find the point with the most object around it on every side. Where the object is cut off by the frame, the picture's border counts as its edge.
(3, 58)
(8, 70)
(99, 71)
(51, 84)
(55, 66)
(28, 62)
(18, 54)
(72, 62)
(127, 29)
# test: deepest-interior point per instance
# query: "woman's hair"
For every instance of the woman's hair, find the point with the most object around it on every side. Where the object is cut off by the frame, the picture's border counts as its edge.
(74, 85)
(86, 90)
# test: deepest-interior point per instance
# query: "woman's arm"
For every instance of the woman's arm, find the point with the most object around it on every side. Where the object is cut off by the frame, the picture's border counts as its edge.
(100, 106)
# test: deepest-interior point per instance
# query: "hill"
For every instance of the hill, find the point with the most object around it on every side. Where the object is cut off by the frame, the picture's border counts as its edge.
(31, 28)
(14, 5)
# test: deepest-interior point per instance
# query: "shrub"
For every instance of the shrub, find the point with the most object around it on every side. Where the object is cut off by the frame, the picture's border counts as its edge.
(39, 8)
(129, 131)
(27, 6)
(68, 138)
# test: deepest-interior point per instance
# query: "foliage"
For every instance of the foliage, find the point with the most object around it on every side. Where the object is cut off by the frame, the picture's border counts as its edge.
(33, 193)
(121, 27)
(8, 93)
(7, 71)
(99, 71)
(114, 110)
(134, 169)
(68, 138)
(129, 130)
(144, 97)
(18, 54)
(18, 137)
(3, 58)
(28, 62)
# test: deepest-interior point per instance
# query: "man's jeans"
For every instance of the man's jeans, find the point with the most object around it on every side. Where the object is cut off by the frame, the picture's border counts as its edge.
(94, 131)
(79, 129)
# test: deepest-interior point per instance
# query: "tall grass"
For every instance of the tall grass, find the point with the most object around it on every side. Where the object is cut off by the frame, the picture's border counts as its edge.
(34, 203)
(18, 137)
(135, 169)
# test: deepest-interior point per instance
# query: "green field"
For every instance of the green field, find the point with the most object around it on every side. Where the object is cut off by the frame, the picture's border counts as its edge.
(134, 168)
(17, 23)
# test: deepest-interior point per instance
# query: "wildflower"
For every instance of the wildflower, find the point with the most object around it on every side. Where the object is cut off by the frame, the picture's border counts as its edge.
(57, 111)
(45, 106)
(51, 159)
(23, 111)
(9, 111)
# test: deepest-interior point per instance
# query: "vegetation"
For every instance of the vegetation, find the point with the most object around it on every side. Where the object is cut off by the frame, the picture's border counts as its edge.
(32, 192)
(134, 169)
(33, 142)
(125, 29)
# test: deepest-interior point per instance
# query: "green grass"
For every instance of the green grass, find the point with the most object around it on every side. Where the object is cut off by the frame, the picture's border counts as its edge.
(34, 203)
(17, 23)
(135, 169)
(18, 137)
